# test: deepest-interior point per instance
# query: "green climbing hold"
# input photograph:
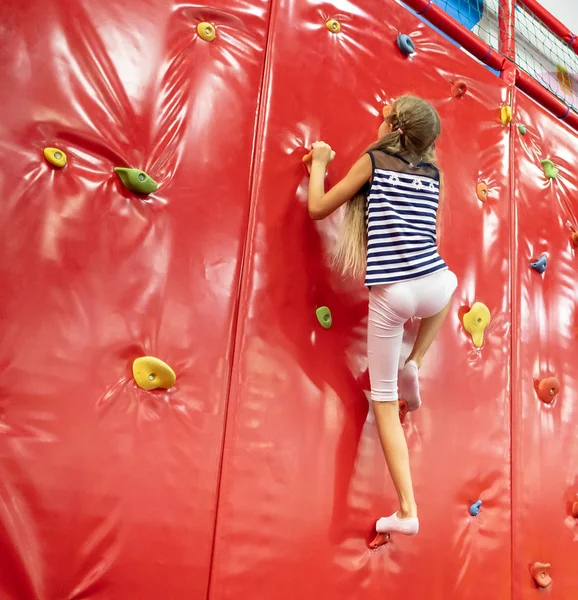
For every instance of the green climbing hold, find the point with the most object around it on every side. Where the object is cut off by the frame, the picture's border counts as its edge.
(522, 129)
(324, 316)
(550, 169)
(137, 180)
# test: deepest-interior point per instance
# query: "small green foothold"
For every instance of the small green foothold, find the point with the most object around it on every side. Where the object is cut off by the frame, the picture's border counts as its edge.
(522, 129)
(137, 180)
(550, 169)
(324, 316)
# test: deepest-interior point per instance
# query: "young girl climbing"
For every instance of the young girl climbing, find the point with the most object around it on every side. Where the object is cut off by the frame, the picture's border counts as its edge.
(389, 235)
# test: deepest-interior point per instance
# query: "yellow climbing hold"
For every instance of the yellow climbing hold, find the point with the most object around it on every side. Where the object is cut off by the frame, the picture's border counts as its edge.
(55, 157)
(475, 322)
(206, 31)
(333, 26)
(506, 115)
(151, 373)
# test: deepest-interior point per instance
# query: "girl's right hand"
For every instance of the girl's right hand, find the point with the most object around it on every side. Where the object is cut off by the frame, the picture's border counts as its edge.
(321, 153)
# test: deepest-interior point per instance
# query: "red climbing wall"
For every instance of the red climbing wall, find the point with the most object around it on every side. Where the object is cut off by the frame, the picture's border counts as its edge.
(259, 475)
(545, 444)
(107, 491)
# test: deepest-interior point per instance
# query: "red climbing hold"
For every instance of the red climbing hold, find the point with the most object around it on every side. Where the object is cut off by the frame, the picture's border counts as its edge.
(459, 88)
(575, 508)
(541, 574)
(574, 239)
(547, 389)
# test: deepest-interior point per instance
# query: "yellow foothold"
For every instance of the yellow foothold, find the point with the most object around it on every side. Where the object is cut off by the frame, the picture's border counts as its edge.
(151, 373)
(475, 322)
(206, 31)
(333, 26)
(506, 115)
(55, 157)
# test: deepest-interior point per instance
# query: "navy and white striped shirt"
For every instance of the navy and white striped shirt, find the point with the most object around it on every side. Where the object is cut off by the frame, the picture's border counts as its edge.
(401, 209)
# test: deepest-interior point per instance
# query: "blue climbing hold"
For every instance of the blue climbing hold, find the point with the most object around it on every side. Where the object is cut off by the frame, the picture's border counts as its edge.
(540, 265)
(475, 508)
(405, 44)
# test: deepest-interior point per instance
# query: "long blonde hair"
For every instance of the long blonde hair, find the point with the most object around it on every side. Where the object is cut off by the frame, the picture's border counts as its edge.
(415, 128)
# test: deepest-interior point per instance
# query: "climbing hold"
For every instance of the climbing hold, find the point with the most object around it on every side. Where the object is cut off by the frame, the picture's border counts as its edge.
(506, 115)
(55, 157)
(136, 180)
(575, 508)
(151, 373)
(482, 191)
(333, 26)
(541, 574)
(206, 31)
(475, 508)
(459, 88)
(541, 264)
(405, 44)
(475, 322)
(574, 239)
(550, 169)
(547, 389)
(324, 316)
(522, 129)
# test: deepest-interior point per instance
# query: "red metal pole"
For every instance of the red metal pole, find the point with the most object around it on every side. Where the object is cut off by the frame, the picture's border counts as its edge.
(507, 46)
(471, 42)
(547, 99)
(551, 22)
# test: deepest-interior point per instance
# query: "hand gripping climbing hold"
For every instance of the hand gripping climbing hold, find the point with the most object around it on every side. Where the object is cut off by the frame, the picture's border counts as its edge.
(482, 191)
(550, 169)
(405, 44)
(547, 389)
(506, 115)
(541, 574)
(475, 322)
(206, 31)
(459, 88)
(136, 180)
(333, 26)
(55, 157)
(541, 264)
(476, 508)
(324, 316)
(151, 373)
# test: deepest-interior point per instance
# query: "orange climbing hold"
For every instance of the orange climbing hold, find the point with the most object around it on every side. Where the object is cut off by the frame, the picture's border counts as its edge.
(574, 239)
(575, 508)
(547, 389)
(541, 574)
(475, 322)
(151, 373)
(482, 191)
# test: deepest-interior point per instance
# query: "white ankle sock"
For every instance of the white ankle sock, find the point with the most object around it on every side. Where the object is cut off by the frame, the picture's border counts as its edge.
(395, 524)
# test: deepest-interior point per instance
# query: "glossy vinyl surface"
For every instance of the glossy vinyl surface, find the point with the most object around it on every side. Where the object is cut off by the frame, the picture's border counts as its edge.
(259, 474)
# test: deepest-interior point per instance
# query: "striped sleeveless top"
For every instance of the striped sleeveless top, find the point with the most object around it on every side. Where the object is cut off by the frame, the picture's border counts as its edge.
(402, 203)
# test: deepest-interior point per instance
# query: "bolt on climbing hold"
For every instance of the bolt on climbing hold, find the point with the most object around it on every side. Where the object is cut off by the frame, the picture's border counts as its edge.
(55, 157)
(547, 389)
(151, 373)
(475, 322)
(206, 31)
(522, 129)
(541, 574)
(482, 191)
(324, 316)
(475, 508)
(459, 88)
(541, 264)
(405, 44)
(506, 115)
(550, 169)
(137, 180)
(333, 26)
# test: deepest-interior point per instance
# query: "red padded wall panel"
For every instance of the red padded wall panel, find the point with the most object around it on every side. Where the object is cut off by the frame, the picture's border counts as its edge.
(303, 476)
(545, 467)
(107, 491)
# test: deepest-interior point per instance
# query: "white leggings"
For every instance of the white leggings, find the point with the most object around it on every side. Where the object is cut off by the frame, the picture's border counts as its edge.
(390, 306)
